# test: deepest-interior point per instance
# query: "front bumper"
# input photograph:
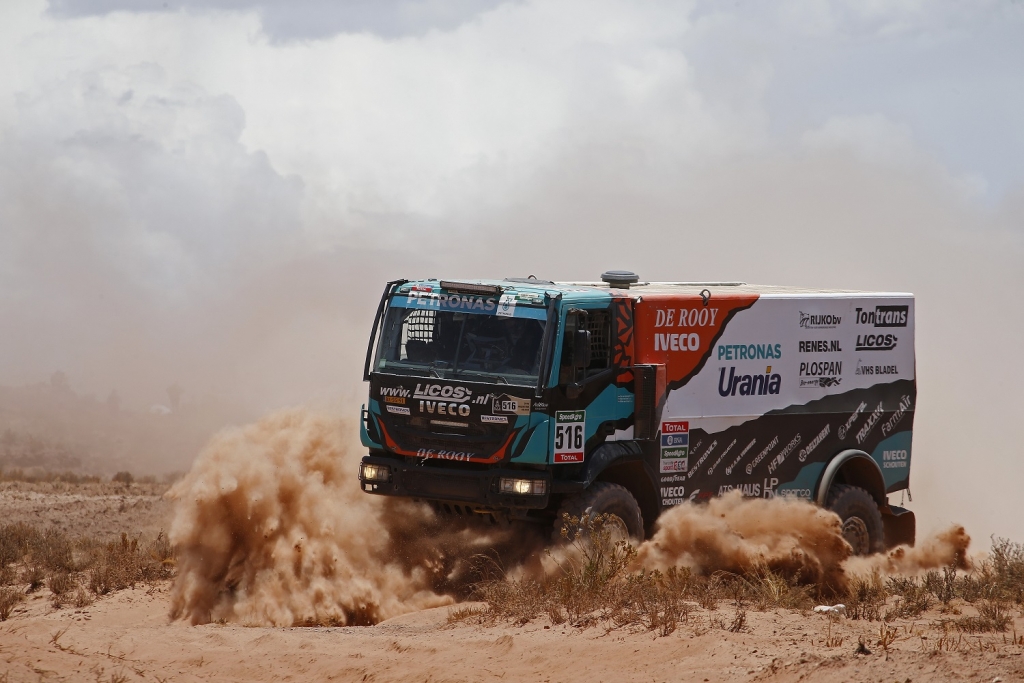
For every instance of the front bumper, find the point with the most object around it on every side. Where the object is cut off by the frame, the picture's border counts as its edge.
(447, 484)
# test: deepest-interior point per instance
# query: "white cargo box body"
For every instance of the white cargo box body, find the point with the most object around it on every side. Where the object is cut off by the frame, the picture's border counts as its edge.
(776, 382)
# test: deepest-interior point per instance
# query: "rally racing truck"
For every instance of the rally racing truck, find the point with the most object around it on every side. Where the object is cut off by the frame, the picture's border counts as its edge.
(523, 399)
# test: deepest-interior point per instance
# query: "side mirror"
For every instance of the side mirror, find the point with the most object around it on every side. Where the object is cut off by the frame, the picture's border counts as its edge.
(581, 349)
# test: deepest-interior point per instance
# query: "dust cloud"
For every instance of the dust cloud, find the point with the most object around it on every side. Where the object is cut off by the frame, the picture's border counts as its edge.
(946, 548)
(741, 535)
(795, 539)
(271, 528)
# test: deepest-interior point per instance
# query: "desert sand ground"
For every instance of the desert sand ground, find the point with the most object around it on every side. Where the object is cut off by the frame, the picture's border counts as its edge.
(127, 636)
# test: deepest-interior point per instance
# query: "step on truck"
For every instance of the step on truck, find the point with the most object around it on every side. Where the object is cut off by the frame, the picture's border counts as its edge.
(523, 399)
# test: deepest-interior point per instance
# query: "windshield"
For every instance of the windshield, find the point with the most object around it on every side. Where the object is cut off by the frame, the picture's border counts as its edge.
(449, 344)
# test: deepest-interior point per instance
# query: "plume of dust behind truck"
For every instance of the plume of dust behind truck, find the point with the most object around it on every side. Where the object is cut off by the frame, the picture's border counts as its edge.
(524, 399)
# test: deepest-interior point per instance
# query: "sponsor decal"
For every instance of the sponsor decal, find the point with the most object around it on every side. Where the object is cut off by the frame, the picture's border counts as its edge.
(883, 316)
(506, 305)
(783, 454)
(570, 428)
(457, 302)
(894, 459)
(398, 410)
(760, 456)
(676, 427)
(845, 428)
(676, 342)
(749, 385)
(669, 478)
(625, 398)
(539, 405)
(752, 489)
(494, 419)
(876, 342)
(430, 453)
(701, 459)
(863, 369)
(821, 382)
(442, 408)
(711, 470)
(824, 374)
(675, 445)
(895, 418)
(818, 368)
(819, 321)
(749, 351)
(815, 442)
(804, 494)
(510, 405)
(395, 400)
(685, 317)
(819, 346)
(730, 468)
(445, 391)
(672, 495)
(394, 392)
(748, 490)
(872, 420)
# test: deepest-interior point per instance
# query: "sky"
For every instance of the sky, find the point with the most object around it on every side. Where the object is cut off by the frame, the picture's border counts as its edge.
(213, 193)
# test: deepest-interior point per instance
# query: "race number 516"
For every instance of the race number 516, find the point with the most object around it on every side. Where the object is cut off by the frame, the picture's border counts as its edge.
(570, 429)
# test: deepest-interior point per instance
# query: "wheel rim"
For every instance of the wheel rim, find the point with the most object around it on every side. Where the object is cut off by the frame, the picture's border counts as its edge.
(855, 531)
(617, 529)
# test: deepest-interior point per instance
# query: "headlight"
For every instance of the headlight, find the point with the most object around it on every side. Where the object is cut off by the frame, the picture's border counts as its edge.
(523, 487)
(371, 472)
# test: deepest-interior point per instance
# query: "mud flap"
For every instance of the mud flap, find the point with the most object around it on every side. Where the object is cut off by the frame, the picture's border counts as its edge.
(900, 527)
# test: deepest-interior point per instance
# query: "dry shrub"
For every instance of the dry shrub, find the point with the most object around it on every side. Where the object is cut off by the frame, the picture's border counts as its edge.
(81, 598)
(123, 478)
(34, 576)
(14, 542)
(9, 599)
(912, 601)
(592, 582)
(60, 583)
(53, 551)
(469, 614)
(122, 564)
(993, 615)
(769, 589)
(867, 596)
(1007, 562)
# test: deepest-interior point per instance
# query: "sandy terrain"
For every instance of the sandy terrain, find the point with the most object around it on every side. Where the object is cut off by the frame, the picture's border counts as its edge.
(100, 510)
(127, 636)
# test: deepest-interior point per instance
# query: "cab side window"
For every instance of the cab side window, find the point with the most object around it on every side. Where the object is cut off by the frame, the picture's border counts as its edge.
(599, 324)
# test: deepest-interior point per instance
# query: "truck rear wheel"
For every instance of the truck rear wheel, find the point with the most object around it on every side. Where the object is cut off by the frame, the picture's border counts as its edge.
(862, 521)
(603, 498)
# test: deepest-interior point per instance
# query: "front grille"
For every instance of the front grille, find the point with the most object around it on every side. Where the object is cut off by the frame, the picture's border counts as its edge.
(484, 444)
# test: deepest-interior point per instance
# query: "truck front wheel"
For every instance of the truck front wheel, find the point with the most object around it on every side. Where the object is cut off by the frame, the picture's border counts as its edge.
(862, 521)
(603, 498)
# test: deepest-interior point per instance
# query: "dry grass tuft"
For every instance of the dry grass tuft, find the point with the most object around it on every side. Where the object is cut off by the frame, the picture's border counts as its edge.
(67, 566)
(9, 599)
(594, 584)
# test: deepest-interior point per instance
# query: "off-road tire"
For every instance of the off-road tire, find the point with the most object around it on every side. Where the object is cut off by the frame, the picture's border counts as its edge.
(862, 520)
(602, 498)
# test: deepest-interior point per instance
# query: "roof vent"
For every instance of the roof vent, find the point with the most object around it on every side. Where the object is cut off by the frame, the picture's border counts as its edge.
(620, 279)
